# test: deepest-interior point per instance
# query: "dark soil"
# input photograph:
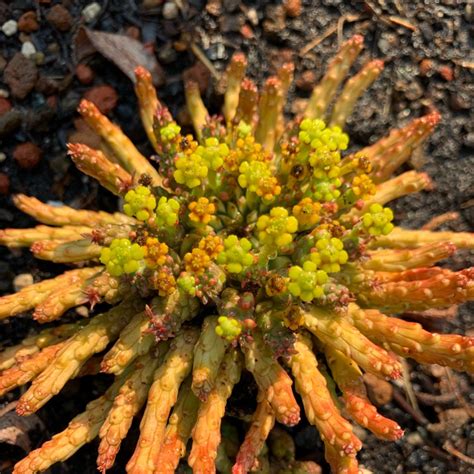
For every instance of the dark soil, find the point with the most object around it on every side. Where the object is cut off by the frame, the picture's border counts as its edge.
(428, 49)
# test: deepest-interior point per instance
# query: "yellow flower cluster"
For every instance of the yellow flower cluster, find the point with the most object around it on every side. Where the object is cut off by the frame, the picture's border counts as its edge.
(197, 261)
(212, 245)
(257, 178)
(201, 211)
(245, 149)
(277, 228)
(155, 252)
(164, 282)
(307, 213)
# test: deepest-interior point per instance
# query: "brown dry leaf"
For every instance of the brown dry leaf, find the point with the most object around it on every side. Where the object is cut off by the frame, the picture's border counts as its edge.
(125, 52)
(15, 429)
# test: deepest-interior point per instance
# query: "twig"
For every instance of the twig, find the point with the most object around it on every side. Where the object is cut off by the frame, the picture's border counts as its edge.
(466, 64)
(439, 454)
(203, 58)
(448, 446)
(409, 387)
(440, 220)
(454, 387)
(434, 313)
(401, 22)
(430, 399)
(7, 408)
(400, 399)
(312, 44)
(328, 32)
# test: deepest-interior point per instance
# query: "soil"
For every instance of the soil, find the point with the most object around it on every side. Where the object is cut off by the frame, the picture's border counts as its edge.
(428, 51)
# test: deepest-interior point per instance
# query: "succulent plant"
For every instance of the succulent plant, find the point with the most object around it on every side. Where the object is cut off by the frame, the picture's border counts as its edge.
(258, 244)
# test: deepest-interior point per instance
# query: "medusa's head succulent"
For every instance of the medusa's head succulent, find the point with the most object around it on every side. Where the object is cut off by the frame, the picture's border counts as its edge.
(258, 244)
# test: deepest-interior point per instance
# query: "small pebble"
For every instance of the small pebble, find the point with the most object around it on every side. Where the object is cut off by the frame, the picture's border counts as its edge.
(274, 20)
(10, 122)
(246, 32)
(415, 439)
(4, 184)
(5, 106)
(167, 54)
(133, 32)
(214, 7)
(306, 80)
(28, 49)
(292, 8)
(380, 391)
(84, 73)
(4, 93)
(104, 97)
(27, 155)
(91, 11)
(28, 22)
(446, 73)
(3, 157)
(60, 18)
(426, 67)
(9, 28)
(469, 140)
(20, 75)
(252, 16)
(170, 11)
(22, 280)
(38, 58)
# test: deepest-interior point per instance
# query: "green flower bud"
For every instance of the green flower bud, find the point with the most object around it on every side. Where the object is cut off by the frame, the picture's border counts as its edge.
(122, 257)
(139, 203)
(236, 256)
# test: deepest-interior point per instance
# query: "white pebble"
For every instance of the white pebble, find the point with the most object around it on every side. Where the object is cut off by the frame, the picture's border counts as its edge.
(170, 11)
(4, 93)
(22, 280)
(10, 27)
(3, 157)
(91, 11)
(28, 49)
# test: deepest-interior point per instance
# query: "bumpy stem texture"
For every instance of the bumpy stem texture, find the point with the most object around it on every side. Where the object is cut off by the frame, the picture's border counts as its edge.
(33, 295)
(337, 70)
(404, 238)
(272, 379)
(336, 432)
(81, 430)
(411, 340)
(72, 356)
(206, 432)
(161, 398)
(337, 332)
(208, 354)
(33, 344)
(94, 163)
(178, 431)
(124, 150)
(352, 90)
(348, 377)
(148, 101)
(65, 215)
(28, 368)
(25, 237)
(262, 422)
(126, 405)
